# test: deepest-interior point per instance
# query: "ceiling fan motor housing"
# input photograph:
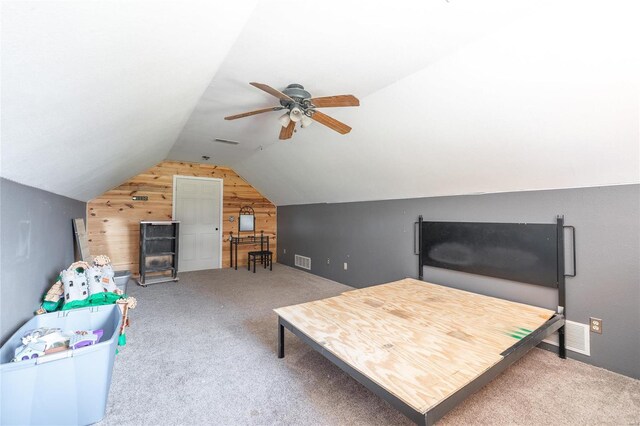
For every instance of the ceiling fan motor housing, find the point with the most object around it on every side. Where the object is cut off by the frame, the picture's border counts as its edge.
(297, 93)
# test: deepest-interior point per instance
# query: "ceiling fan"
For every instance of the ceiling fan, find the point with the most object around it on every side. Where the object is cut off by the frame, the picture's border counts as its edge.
(301, 107)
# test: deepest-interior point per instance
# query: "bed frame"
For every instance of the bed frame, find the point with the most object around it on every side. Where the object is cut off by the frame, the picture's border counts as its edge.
(509, 356)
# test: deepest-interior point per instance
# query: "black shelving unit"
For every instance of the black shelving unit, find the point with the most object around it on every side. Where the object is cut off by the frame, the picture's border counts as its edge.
(158, 252)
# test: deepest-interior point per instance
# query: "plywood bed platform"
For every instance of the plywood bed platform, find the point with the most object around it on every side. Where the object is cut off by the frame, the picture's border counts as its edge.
(421, 346)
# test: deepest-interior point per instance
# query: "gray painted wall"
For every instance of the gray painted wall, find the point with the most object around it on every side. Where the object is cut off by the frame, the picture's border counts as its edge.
(376, 240)
(36, 244)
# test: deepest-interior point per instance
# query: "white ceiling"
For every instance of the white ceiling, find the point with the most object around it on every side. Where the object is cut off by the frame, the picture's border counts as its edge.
(94, 92)
(456, 97)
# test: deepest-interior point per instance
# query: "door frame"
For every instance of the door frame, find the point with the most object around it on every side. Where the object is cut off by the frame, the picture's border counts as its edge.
(173, 206)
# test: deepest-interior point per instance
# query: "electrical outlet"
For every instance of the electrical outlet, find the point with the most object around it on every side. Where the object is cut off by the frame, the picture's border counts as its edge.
(284, 251)
(345, 266)
(595, 325)
(328, 261)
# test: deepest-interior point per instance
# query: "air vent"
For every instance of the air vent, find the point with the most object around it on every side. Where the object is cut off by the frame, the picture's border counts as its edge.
(576, 338)
(303, 262)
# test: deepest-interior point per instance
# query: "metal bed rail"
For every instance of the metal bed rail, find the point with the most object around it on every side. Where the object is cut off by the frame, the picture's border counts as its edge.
(510, 356)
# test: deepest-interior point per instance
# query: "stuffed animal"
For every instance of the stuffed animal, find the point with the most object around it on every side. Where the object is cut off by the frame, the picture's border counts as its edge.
(75, 285)
(94, 276)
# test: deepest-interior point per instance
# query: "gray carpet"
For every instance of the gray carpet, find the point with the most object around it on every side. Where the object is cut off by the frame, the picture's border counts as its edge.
(203, 352)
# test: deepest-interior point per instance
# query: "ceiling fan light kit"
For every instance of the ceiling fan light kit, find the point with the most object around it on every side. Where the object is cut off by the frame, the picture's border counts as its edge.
(285, 119)
(305, 121)
(301, 107)
(296, 114)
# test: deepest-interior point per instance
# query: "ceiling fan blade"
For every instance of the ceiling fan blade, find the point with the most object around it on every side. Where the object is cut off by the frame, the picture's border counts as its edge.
(331, 123)
(250, 113)
(335, 101)
(287, 132)
(273, 92)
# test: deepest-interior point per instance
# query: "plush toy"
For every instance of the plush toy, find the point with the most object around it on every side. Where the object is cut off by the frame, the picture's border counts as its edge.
(94, 276)
(75, 285)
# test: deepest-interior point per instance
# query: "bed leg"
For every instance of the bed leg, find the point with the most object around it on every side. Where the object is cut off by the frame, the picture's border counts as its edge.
(425, 421)
(562, 350)
(280, 340)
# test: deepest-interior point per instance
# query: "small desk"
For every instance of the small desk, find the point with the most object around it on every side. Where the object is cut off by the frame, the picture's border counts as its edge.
(262, 240)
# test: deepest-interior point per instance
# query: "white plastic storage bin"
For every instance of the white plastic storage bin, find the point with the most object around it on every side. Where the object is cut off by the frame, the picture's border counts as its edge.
(121, 278)
(64, 388)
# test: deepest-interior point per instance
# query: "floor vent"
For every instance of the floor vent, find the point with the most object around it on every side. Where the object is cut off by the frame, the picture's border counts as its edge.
(576, 338)
(303, 262)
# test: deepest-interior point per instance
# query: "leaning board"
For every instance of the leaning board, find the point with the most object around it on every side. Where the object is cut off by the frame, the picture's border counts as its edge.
(420, 341)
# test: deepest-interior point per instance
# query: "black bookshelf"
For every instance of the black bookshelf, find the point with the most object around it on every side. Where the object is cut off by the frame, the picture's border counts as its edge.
(158, 252)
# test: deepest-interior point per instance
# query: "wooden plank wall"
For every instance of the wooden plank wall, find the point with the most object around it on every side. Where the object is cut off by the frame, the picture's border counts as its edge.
(113, 218)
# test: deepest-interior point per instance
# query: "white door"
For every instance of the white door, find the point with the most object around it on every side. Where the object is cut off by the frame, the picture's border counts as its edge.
(197, 204)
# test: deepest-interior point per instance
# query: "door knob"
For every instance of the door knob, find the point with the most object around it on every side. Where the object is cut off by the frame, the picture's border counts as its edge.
(216, 229)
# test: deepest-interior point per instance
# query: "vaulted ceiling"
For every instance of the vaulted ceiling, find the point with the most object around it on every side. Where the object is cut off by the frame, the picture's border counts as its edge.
(457, 96)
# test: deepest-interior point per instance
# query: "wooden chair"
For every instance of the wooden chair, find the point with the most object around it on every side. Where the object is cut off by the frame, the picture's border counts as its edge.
(266, 257)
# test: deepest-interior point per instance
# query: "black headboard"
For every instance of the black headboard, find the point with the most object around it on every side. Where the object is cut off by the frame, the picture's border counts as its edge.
(526, 252)
(515, 251)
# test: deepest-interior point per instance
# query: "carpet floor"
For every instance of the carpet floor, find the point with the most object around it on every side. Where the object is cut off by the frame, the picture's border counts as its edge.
(203, 351)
